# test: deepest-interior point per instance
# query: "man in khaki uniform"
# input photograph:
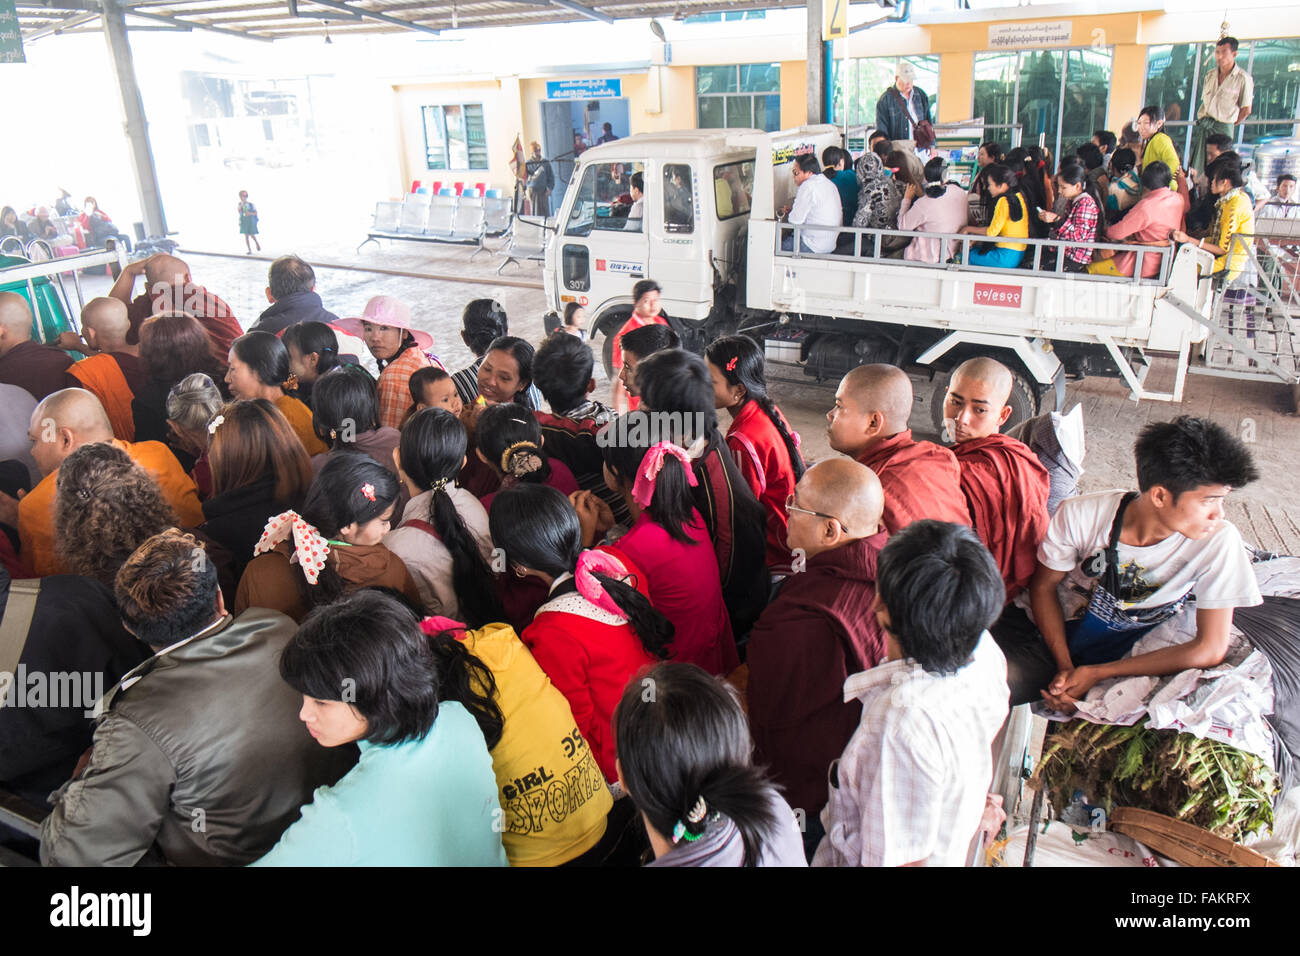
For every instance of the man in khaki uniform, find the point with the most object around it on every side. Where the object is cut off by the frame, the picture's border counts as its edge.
(1227, 94)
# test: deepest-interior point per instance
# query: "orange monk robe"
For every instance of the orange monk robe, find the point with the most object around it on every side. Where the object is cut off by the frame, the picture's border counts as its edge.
(919, 479)
(1006, 488)
(300, 420)
(36, 508)
(102, 375)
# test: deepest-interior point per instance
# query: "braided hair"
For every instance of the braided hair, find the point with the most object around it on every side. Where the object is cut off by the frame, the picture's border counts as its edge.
(740, 361)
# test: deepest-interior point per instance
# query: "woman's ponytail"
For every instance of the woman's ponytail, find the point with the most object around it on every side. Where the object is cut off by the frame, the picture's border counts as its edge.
(465, 679)
(654, 630)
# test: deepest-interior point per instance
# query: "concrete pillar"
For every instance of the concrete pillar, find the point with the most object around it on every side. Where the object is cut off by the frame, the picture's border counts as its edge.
(137, 130)
(818, 111)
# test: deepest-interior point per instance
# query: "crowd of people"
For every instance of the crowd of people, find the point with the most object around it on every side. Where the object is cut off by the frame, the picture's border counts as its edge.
(1131, 190)
(476, 616)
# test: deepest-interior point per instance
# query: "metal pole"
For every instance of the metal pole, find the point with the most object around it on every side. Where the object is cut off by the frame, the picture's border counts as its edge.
(137, 129)
(816, 61)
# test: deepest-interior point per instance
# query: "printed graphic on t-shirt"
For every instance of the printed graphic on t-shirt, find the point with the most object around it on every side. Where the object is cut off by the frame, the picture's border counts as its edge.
(542, 797)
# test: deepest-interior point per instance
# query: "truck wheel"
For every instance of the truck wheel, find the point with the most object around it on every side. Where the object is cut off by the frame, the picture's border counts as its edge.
(1024, 404)
(608, 327)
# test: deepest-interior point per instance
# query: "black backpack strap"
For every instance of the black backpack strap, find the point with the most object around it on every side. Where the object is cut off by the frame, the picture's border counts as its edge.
(1110, 576)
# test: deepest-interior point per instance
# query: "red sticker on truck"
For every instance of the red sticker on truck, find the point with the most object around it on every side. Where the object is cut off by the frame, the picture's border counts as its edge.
(1004, 296)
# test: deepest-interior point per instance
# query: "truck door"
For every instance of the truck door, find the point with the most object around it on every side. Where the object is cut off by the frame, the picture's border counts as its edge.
(679, 241)
(603, 244)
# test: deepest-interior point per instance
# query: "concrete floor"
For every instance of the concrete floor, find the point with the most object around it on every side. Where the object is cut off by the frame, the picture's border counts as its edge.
(437, 281)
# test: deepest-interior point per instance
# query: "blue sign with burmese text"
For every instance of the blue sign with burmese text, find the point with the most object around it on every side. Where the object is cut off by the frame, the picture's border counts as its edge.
(593, 89)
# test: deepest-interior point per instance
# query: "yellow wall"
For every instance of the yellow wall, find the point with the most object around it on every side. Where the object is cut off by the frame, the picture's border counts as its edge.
(794, 93)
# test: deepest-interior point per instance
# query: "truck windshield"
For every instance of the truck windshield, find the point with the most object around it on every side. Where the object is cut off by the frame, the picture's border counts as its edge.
(607, 198)
(733, 184)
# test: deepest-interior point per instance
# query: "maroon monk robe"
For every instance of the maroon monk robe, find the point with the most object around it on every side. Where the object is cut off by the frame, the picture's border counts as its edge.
(920, 480)
(1006, 488)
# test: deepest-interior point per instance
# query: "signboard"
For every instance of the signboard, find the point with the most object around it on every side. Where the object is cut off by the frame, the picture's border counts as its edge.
(1021, 36)
(835, 19)
(592, 89)
(786, 154)
(11, 40)
(1002, 296)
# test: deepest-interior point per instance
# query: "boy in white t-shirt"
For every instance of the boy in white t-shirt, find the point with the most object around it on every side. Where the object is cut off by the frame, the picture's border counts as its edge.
(1090, 604)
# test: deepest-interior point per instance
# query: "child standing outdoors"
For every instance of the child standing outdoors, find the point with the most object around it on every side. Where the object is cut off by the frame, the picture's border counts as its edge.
(248, 222)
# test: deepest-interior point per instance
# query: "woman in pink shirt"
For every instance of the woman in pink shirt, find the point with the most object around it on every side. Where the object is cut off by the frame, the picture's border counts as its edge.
(1150, 221)
(941, 207)
(669, 542)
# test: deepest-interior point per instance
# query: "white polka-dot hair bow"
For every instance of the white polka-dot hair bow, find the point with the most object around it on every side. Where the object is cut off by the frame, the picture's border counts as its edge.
(309, 548)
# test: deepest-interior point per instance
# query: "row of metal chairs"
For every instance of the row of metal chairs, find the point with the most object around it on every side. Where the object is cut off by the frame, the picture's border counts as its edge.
(421, 217)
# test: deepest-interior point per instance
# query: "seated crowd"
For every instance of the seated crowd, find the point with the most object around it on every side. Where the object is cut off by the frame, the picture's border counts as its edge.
(475, 617)
(1103, 192)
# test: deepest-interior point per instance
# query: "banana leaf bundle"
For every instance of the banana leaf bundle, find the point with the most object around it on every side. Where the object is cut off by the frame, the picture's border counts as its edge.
(1206, 783)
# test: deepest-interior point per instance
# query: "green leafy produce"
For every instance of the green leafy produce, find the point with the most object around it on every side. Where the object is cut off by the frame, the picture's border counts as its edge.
(1203, 782)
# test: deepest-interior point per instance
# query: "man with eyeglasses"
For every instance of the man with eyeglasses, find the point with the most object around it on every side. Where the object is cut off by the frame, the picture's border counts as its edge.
(817, 631)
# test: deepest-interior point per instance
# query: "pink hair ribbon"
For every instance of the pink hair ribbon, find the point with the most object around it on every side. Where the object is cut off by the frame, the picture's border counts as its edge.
(643, 491)
(309, 548)
(590, 562)
(436, 624)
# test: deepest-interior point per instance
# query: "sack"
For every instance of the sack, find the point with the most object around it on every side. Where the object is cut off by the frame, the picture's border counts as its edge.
(923, 134)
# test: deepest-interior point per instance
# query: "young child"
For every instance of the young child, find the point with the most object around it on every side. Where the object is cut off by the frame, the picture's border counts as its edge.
(248, 222)
(432, 387)
(765, 447)
(574, 316)
(1125, 183)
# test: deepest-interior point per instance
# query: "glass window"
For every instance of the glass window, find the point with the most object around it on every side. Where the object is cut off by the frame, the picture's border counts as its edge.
(605, 201)
(996, 76)
(733, 184)
(679, 199)
(1038, 109)
(744, 96)
(1275, 67)
(1029, 89)
(455, 137)
(860, 82)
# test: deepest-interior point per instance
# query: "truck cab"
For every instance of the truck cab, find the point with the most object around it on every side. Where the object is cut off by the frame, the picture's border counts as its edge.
(688, 231)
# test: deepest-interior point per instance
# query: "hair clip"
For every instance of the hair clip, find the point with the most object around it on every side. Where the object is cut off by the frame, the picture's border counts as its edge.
(731, 366)
(368, 490)
(519, 421)
(83, 494)
(212, 425)
(440, 484)
(697, 815)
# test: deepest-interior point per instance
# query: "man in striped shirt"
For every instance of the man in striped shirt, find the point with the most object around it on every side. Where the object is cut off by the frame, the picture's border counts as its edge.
(483, 322)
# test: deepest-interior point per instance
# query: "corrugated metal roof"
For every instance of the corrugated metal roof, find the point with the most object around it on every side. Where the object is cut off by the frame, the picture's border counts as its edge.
(276, 19)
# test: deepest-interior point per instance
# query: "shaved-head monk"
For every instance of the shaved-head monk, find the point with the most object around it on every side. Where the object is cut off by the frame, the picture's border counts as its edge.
(819, 629)
(113, 370)
(1005, 485)
(869, 424)
(40, 369)
(169, 288)
(61, 424)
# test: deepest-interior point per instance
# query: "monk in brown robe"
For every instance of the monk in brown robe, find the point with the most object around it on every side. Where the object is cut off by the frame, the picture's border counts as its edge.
(61, 424)
(113, 370)
(869, 423)
(1005, 485)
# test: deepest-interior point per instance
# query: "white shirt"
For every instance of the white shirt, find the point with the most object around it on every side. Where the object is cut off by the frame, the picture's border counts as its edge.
(427, 558)
(1224, 101)
(1279, 208)
(634, 215)
(1215, 569)
(914, 777)
(817, 203)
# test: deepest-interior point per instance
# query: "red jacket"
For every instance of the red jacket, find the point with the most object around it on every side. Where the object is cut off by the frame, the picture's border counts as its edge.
(764, 460)
(589, 655)
(819, 629)
(1006, 487)
(920, 480)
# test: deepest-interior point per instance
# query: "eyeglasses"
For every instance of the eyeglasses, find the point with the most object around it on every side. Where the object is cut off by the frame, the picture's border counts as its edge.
(790, 506)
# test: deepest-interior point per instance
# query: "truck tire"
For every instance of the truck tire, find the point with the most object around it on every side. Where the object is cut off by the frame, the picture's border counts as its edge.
(608, 326)
(1023, 401)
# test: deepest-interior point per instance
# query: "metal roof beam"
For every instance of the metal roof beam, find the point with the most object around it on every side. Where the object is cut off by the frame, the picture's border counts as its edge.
(586, 11)
(381, 17)
(49, 29)
(175, 21)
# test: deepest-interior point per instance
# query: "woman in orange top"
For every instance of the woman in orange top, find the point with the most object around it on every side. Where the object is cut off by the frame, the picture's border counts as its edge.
(259, 368)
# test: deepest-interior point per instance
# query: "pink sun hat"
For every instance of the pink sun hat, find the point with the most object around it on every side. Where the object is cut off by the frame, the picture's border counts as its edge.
(386, 310)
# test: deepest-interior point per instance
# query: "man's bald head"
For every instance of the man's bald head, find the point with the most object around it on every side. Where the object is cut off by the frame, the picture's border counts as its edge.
(846, 489)
(976, 403)
(15, 319)
(63, 422)
(166, 269)
(105, 323)
(872, 403)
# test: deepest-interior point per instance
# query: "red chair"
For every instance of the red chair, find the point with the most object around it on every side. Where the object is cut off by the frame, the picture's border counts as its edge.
(459, 187)
(415, 185)
(434, 187)
(482, 188)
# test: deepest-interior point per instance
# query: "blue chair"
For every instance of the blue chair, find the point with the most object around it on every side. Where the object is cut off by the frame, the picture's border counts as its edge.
(446, 191)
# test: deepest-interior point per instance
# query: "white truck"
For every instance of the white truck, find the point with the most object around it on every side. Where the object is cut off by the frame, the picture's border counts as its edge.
(707, 231)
